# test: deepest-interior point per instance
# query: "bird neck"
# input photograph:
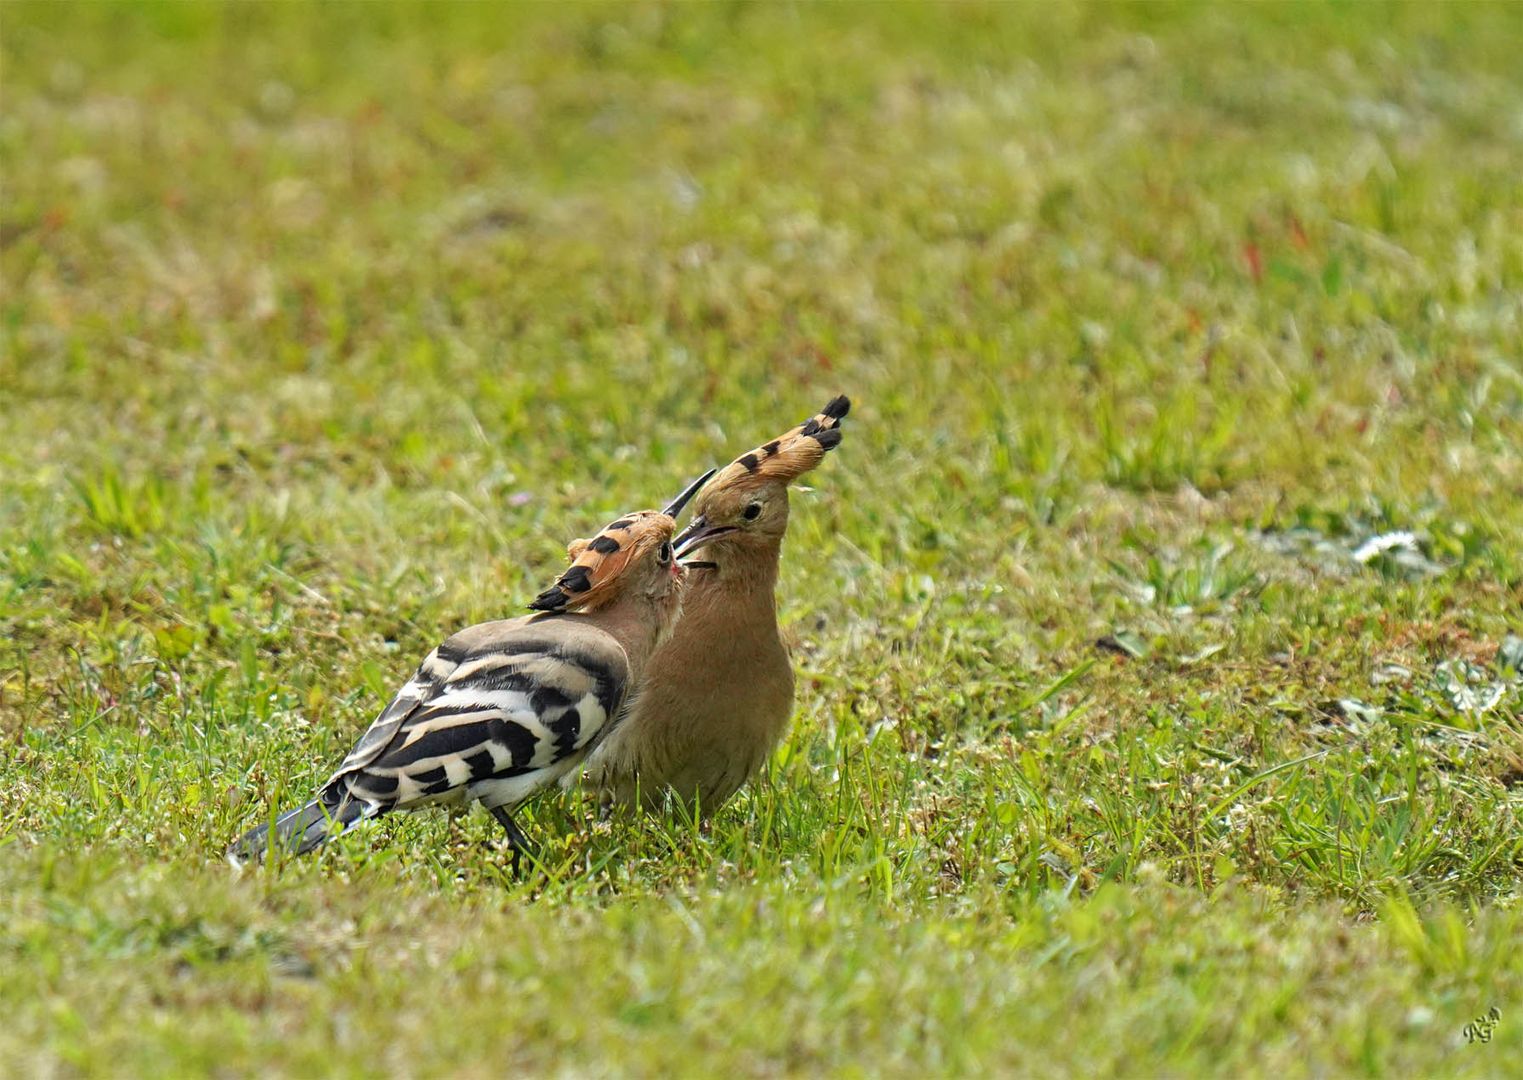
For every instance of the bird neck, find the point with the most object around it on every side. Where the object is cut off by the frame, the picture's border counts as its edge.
(746, 576)
(638, 624)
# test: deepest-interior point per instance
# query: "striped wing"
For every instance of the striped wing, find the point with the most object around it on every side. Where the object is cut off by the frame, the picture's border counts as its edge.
(495, 702)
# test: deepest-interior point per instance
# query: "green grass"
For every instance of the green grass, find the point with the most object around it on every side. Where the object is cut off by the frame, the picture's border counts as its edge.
(324, 329)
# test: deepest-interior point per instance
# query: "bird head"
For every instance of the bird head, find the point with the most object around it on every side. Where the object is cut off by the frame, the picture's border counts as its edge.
(746, 503)
(630, 556)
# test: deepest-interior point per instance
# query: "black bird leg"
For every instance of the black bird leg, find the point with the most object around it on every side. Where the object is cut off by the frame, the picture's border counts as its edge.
(516, 838)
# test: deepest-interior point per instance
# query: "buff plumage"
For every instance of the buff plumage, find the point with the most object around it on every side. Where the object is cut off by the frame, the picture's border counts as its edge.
(717, 697)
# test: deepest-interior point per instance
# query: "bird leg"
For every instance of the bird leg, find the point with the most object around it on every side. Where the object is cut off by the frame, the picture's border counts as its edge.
(516, 838)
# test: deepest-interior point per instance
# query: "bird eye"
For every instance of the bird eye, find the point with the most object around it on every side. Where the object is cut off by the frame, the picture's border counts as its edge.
(752, 512)
(664, 555)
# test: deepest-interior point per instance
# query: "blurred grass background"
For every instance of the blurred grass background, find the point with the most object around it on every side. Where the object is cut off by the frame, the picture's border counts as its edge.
(1158, 623)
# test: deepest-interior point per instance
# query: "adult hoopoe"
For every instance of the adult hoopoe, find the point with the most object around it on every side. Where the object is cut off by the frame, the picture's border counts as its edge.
(501, 710)
(718, 696)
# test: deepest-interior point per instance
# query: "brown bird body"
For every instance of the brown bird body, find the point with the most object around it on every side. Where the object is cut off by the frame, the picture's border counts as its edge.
(718, 696)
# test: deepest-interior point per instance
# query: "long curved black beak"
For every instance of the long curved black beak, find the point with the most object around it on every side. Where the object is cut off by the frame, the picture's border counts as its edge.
(698, 533)
(675, 506)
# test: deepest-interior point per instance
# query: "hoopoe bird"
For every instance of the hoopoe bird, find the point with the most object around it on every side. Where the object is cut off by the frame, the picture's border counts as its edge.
(717, 697)
(502, 710)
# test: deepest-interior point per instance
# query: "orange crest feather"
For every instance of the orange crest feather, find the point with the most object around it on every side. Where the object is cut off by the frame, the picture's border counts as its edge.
(598, 564)
(791, 454)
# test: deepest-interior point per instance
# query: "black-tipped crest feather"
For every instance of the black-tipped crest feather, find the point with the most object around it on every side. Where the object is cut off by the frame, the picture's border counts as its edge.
(791, 454)
(598, 563)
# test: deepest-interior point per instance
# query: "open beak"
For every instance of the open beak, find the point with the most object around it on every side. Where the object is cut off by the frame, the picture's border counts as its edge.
(698, 533)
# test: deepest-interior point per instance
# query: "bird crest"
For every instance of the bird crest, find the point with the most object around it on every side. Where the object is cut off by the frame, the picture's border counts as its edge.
(598, 564)
(791, 454)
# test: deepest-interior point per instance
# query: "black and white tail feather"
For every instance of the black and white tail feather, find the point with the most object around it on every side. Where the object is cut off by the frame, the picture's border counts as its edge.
(305, 828)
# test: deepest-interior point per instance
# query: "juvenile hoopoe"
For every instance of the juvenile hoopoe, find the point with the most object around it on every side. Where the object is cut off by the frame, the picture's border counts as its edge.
(501, 710)
(717, 697)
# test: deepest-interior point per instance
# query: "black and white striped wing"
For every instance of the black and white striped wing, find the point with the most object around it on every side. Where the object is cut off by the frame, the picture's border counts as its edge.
(425, 682)
(490, 714)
